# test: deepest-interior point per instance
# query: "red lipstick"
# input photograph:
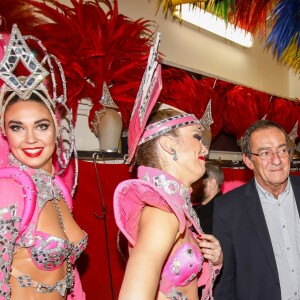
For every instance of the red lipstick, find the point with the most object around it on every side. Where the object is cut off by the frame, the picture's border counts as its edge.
(33, 152)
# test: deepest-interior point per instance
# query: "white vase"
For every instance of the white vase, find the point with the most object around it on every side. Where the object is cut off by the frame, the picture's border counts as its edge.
(108, 128)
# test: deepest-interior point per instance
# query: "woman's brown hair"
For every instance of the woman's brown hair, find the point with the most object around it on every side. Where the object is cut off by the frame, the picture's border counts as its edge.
(146, 154)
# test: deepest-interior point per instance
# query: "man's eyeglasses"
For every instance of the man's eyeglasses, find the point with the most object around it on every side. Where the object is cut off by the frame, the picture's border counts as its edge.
(268, 154)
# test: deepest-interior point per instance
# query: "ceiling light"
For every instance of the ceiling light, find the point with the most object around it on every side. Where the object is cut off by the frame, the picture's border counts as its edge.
(218, 26)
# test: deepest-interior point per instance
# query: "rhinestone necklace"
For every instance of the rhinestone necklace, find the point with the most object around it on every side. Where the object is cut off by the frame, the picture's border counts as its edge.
(70, 276)
(60, 217)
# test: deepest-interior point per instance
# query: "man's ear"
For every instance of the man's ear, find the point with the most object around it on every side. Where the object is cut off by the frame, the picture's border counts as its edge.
(248, 162)
(212, 183)
(167, 143)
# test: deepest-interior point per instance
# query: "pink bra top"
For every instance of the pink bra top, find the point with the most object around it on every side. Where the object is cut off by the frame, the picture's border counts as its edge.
(50, 252)
(182, 267)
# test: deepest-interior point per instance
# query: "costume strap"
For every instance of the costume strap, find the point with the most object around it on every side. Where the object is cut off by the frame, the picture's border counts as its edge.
(65, 191)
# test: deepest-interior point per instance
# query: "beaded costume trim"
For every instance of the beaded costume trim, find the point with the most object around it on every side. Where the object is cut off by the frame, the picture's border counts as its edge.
(173, 187)
(9, 224)
(164, 126)
(61, 286)
(176, 295)
(44, 182)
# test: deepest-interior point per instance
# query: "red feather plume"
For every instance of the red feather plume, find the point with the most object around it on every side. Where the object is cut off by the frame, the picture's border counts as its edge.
(252, 15)
(283, 112)
(241, 110)
(179, 90)
(216, 89)
(95, 44)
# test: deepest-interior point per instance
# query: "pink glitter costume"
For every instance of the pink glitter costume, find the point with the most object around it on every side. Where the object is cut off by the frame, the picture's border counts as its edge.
(24, 192)
(159, 189)
(47, 252)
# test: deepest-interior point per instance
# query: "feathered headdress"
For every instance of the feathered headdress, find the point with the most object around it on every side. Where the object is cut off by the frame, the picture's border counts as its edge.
(96, 45)
(43, 78)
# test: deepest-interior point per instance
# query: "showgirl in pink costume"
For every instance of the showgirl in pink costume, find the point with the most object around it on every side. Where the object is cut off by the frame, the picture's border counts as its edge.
(170, 256)
(39, 239)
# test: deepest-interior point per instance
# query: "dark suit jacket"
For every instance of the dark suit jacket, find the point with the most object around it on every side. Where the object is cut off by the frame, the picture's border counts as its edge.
(249, 268)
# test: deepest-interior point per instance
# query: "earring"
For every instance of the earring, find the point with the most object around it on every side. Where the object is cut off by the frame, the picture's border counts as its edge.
(174, 155)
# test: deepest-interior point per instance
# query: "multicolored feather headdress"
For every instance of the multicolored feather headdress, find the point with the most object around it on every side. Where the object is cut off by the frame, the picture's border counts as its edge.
(43, 75)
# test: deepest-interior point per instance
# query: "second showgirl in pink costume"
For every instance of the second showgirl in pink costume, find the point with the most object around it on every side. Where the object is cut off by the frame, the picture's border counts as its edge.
(169, 254)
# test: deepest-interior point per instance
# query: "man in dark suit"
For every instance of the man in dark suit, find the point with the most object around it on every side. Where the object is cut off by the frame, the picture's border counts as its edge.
(258, 224)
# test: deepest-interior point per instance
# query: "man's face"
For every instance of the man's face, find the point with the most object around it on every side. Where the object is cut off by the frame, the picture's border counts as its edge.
(271, 171)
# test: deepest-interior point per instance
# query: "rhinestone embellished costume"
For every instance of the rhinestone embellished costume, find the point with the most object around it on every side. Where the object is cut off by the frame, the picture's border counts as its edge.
(159, 189)
(25, 191)
(47, 252)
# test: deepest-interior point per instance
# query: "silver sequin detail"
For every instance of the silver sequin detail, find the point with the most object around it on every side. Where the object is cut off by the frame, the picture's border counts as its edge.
(176, 266)
(11, 210)
(176, 295)
(171, 187)
(27, 238)
(44, 182)
(106, 99)
(147, 84)
(188, 207)
(166, 129)
(191, 278)
(50, 257)
(60, 286)
(207, 119)
(9, 224)
(146, 99)
(147, 177)
(18, 51)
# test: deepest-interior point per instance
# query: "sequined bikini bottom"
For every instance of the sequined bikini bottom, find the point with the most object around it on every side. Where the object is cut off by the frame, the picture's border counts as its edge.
(61, 286)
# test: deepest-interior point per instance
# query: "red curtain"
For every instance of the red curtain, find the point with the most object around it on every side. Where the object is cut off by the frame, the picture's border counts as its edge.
(93, 264)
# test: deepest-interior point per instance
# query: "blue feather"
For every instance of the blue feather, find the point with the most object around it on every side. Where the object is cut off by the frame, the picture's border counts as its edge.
(285, 19)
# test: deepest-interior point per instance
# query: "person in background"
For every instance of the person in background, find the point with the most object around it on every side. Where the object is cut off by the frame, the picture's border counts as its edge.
(205, 190)
(258, 224)
(39, 239)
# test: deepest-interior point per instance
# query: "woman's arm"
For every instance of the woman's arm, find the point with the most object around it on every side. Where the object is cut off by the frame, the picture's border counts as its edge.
(156, 236)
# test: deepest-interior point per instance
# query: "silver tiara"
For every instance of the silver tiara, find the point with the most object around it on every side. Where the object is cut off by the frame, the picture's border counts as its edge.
(38, 82)
(17, 51)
